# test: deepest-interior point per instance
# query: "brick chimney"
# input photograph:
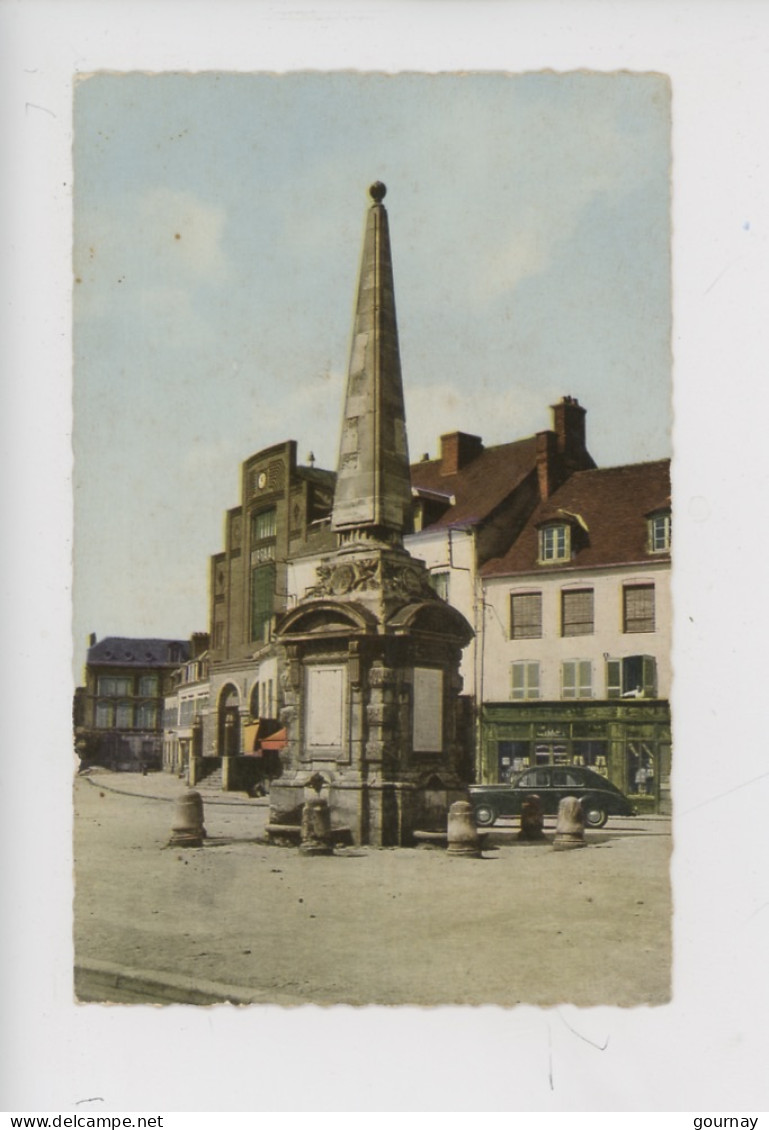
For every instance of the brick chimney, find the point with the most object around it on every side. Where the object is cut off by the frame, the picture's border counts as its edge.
(569, 427)
(548, 464)
(200, 642)
(457, 450)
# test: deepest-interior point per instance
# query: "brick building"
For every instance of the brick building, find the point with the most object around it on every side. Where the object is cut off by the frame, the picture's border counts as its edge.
(284, 513)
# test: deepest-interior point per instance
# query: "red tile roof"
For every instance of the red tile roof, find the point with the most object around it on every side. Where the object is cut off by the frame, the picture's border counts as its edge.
(614, 503)
(480, 486)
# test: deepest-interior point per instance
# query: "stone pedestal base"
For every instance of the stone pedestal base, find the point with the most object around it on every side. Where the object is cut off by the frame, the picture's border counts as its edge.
(381, 814)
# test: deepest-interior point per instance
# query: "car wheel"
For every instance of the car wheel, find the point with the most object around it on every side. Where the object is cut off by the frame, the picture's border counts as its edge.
(485, 815)
(595, 814)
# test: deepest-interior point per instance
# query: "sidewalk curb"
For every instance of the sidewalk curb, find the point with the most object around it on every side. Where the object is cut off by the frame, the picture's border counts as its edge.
(102, 982)
(208, 796)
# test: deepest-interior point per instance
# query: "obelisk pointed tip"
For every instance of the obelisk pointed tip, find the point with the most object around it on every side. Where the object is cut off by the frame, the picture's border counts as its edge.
(377, 191)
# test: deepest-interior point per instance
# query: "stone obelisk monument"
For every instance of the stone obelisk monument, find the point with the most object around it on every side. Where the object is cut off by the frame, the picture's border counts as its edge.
(372, 654)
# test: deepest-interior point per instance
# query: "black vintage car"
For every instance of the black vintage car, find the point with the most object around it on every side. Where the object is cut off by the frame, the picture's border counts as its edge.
(600, 798)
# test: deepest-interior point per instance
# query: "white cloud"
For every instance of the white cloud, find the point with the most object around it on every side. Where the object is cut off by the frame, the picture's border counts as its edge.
(160, 241)
(560, 152)
(435, 409)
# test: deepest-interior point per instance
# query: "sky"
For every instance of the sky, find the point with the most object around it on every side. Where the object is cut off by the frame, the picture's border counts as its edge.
(218, 221)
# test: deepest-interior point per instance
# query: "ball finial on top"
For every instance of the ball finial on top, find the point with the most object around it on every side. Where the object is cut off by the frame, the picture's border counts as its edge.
(377, 192)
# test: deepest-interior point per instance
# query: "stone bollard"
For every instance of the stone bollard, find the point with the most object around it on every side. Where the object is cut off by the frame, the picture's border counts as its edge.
(187, 829)
(462, 833)
(532, 819)
(570, 828)
(316, 828)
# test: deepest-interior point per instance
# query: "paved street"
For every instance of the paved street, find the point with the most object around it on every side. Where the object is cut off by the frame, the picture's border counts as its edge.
(242, 920)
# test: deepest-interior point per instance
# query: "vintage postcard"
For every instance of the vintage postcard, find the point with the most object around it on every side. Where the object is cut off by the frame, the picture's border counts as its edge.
(403, 773)
(373, 538)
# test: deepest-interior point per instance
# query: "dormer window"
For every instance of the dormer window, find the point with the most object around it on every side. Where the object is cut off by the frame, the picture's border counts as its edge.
(554, 543)
(659, 532)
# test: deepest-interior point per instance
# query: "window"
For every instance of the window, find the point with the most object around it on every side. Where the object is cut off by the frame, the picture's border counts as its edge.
(577, 612)
(564, 779)
(512, 757)
(554, 543)
(124, 716)
(148, 685)
(105, 715)
(262, 591)
(638, 608)
(440, 583)
(525, 680)
(536, 779)
(147, 716)
(551, 753)
(170, 716)
(264, 525)
(263, 532)
(577, 679)
(635, 676)
(111, 685)
(526, 616)
(594, 753)
(659, 533)
(219, 635)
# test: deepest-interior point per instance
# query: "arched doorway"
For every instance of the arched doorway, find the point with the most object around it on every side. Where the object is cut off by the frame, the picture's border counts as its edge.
(229, 722)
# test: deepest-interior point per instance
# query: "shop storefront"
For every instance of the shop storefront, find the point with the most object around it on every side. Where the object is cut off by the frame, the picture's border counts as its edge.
(629, 742)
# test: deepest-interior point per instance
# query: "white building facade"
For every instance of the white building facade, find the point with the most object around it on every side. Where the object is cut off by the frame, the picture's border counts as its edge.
(575, 652)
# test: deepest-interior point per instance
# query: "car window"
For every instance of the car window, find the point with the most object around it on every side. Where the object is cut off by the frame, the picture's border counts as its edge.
(561, 778)
(534, 779)
(527, 781)
(565, 778)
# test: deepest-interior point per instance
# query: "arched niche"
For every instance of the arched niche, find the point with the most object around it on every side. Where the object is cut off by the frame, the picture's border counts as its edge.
(437, 619)
(326, 617)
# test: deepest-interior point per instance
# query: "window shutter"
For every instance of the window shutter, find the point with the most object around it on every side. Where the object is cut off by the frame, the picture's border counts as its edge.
(577, 612)
(526, 616)
(525, 680)
(568, 679)
(613, 678)
(649, 676)
(638, 607)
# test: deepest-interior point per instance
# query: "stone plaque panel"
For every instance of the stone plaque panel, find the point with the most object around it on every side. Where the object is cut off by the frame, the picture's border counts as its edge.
(428, 710)
(324, 708)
